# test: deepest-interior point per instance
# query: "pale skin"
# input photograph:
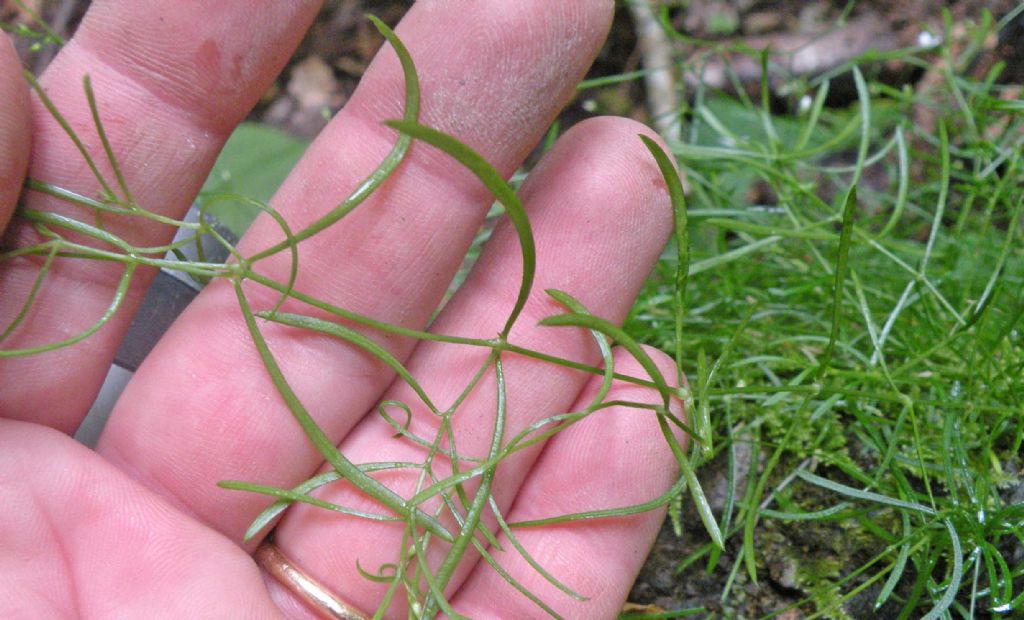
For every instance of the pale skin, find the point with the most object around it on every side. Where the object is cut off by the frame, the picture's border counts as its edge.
(138, 527)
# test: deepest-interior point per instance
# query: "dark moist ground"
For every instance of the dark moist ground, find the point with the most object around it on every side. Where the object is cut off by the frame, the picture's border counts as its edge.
(792, 557)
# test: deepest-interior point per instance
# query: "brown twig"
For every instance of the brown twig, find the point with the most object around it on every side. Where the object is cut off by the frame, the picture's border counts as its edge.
(656, 52)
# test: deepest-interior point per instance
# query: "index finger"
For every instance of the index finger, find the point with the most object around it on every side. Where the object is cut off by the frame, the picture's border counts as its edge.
(171, 80)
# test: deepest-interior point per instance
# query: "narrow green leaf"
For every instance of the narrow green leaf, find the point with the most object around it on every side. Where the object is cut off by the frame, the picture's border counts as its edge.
(588, 515)
(90, 97)
(115, 305)
(386, 167)
(842, 268)
(33, 292)
(864, 102)
(320, 440)
(806, 516)
(867, 496)
(725, 258)
(904, 185)
(518, 546)
(809, 232)
(68, 223)
(515, 583)
(603, 345)
(949, 595)
(483, 492)
(627, 342)
(618, 335)
(680, 228)
(292, 497)
(350, 335)
(897, 568)
(813, 117)
(501, 190)
(69, 196)
(70, 132)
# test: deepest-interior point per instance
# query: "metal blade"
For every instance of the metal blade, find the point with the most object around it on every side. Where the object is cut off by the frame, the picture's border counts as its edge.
(170, 294)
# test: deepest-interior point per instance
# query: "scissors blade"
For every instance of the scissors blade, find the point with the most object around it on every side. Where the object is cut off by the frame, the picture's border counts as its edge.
(169, 295)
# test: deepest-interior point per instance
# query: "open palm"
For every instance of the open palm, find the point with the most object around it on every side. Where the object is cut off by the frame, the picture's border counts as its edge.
(139, 528)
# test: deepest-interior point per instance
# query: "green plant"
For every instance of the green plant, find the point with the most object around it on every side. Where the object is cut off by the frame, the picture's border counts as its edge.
(865, 345)
(67, 238)
(863, 340)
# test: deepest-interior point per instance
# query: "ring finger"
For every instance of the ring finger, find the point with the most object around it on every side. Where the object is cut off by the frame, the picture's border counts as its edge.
(617, 457)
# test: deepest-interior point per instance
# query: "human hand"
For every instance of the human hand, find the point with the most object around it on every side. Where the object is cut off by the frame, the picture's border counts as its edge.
(140, 527)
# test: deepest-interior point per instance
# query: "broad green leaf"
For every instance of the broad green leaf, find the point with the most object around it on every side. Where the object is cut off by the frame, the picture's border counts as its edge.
(253, 163)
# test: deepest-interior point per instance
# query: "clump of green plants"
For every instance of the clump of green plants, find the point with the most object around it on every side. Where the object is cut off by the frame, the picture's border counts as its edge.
(853, 322)
(66, 238)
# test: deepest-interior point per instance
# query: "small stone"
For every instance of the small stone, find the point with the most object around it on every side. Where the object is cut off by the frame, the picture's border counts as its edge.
(313, 85)
(784, 573)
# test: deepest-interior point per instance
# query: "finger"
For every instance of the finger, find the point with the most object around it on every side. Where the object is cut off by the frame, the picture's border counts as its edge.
(171, 80)
(14, 129)
(614, 458)
(391, 259)
(600, 216)
(78, 539)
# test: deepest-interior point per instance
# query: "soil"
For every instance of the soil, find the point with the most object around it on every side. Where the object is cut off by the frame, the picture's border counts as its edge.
(793, 559)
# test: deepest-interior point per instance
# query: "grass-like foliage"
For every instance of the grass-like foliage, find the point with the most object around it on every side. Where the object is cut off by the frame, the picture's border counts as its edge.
(67, 238)
(853, 340)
